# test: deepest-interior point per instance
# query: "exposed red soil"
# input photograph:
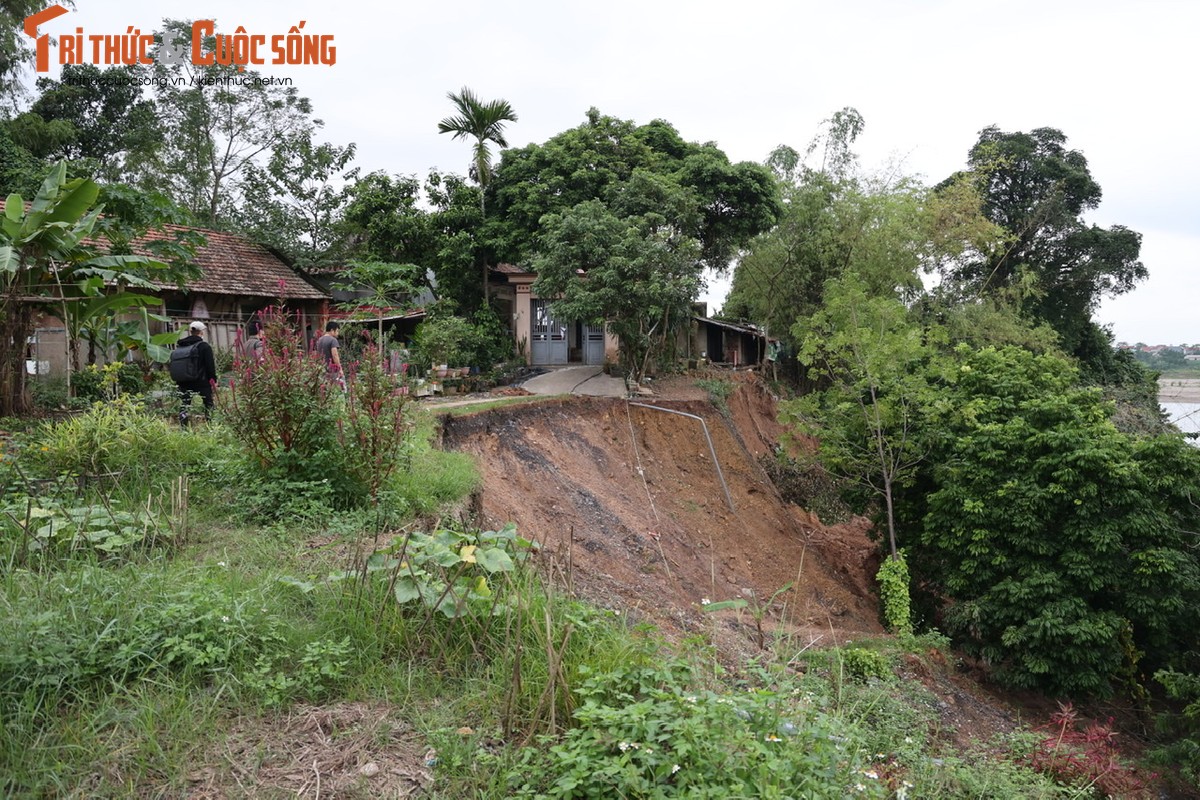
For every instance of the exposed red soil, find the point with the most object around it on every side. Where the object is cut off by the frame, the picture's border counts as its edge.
(631, 514)
(629, 509)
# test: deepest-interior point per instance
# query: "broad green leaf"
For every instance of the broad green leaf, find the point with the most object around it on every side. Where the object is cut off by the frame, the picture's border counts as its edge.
(14, 208)
(48, 192)
(450, 607)
(304, 586)
(406, 590)
(74, 201)
(481, 588)
(10, 259)
(493, 559)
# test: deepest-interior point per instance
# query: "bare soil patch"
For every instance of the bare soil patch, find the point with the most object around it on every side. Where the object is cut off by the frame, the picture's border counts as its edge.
(631, 512)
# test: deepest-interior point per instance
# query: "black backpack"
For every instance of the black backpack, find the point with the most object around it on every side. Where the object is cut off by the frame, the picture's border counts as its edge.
(185, 366)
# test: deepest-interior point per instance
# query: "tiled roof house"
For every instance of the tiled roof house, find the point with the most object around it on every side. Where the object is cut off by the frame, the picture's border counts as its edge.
(237, 278)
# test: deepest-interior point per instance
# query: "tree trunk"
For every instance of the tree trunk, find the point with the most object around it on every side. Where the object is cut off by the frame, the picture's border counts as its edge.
(16, 322)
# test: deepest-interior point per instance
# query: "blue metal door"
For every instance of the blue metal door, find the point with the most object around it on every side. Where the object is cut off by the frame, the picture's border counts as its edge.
(549, 345)
(593, 344)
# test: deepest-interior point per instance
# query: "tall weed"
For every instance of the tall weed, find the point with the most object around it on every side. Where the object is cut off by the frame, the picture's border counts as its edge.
(118, 440)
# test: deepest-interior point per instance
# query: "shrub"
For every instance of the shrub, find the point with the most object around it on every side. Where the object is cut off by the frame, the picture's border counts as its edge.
(94, 382)
(443, 340)
(1182, 751)
(808, 485)
(893, 595)
(374, 432)
(283, 410)
(1087, 759)
(648, 732)
(118, 438)
(862, 665)
(1056, 539)
(49, 394)
(490, 342)
(719, 392)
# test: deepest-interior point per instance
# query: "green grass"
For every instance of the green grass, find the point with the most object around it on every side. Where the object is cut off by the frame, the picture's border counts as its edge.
(488, 405)
(128, 674)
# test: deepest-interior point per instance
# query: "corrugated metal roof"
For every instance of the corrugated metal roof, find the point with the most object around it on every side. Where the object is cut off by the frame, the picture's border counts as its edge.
(733, 326)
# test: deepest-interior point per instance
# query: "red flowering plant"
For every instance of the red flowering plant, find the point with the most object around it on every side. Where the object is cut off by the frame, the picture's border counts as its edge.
(1087, 758)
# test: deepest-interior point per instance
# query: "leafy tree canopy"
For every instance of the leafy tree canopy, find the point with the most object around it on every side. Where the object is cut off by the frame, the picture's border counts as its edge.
(1037, 190)
(639, 274)
(294, 202)
(16, 49)
(96, 114)
(594, 161)
(837, 220)
(396, 219)
(1060, 544)
(214, 131)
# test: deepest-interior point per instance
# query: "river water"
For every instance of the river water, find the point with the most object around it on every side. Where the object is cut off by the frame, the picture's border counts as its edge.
(1184, 415)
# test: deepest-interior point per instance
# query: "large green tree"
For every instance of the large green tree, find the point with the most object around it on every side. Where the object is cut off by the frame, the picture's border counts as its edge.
(94, 114)
(596, 161)
(640, 275)
(1062, 550)
(838, 220)
(1038, 190)
(295, 200)
(16, 48)
(876, 362)
(397, 219)
(217, 123)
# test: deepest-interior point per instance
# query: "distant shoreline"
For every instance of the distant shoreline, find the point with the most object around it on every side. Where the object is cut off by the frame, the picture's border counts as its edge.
(1179, 390)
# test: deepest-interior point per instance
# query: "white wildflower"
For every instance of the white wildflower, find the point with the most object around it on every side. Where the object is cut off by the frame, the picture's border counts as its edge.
(675, 768)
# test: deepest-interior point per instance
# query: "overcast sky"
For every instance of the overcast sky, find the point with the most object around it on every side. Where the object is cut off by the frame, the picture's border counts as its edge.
(1115, 77)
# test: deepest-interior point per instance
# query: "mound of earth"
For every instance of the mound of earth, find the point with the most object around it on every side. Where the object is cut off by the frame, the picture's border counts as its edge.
(632, 512)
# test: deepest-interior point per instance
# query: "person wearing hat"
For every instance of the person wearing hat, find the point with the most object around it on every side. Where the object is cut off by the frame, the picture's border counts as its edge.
(204, 367)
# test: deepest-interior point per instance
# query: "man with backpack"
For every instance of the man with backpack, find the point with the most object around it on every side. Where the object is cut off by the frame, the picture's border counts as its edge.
(193, 369)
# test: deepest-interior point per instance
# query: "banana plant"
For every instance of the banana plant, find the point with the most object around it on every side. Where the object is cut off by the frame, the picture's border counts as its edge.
(46, 256)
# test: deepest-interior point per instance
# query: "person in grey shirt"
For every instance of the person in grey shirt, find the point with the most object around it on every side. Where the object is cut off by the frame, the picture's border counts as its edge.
(328, 347)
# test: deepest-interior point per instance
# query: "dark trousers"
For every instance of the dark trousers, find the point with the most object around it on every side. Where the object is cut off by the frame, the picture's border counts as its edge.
(202, 388)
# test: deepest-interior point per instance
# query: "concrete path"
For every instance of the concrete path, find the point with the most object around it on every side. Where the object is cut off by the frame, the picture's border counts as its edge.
(576, 380)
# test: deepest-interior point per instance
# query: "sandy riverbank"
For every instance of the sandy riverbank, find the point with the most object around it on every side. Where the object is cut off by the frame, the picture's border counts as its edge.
(1179, 390)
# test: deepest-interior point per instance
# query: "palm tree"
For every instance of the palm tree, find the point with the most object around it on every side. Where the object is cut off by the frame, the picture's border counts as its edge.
(484, 122)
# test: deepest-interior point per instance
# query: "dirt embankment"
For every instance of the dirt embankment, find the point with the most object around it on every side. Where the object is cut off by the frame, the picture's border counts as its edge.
(629, 508)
